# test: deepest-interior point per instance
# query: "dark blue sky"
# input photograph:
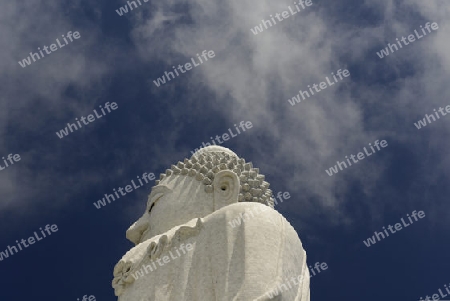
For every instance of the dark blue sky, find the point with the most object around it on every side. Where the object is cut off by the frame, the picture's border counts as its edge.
(250, 78)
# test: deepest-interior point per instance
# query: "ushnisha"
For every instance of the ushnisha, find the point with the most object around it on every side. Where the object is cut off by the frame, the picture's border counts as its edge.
(203, 167)
(192, 204)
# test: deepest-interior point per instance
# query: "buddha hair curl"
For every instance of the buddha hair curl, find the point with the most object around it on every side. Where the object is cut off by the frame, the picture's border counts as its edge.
(206, 162)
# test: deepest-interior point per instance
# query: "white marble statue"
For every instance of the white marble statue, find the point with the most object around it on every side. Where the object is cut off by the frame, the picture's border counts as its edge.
(210, 233)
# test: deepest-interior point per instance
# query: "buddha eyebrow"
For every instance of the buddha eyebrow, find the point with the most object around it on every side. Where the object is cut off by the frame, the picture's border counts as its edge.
(160, 189)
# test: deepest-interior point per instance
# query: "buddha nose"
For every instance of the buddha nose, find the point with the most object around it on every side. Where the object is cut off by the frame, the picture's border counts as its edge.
(134, 233)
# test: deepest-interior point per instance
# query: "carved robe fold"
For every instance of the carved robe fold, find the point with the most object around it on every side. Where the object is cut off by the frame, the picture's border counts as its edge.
(261, 258)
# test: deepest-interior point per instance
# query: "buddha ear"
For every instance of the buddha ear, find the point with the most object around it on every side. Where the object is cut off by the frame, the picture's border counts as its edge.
(226, 188)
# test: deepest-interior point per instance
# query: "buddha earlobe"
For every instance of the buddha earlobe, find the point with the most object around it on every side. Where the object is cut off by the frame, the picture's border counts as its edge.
(226, 187)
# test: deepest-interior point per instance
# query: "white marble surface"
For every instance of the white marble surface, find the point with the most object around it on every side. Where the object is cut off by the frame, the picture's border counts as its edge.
(244, 262)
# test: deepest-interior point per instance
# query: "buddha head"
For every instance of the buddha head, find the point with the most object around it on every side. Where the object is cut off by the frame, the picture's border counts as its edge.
(214, 177)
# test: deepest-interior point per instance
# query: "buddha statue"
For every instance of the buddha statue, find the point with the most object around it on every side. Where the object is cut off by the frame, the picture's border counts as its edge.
(210, 233)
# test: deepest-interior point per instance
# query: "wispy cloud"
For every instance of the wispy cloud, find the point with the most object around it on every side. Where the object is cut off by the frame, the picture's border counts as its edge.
(41, 95)
(255, 75)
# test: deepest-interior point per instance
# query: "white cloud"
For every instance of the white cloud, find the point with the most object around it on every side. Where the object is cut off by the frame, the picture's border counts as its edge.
(257, 74)
(35, 96)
